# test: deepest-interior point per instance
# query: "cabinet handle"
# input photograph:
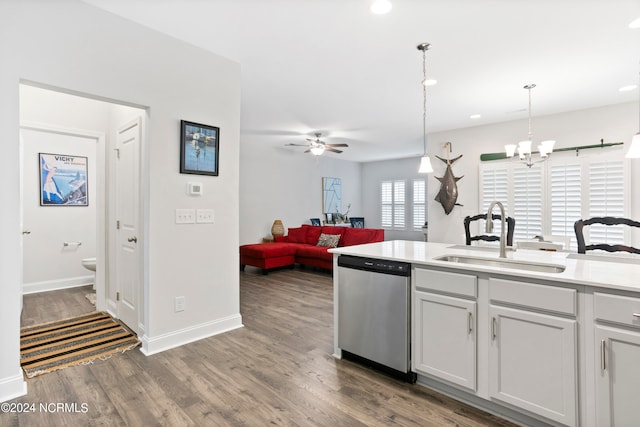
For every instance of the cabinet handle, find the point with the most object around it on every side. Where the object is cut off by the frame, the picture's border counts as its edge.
(493, 328)
(603, 355)
(470, 323)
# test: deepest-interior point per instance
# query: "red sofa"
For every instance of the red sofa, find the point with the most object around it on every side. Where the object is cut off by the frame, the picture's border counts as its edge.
(299, 246)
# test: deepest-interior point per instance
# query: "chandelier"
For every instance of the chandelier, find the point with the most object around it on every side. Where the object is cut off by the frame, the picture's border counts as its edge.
(425, 161)
(524, 147)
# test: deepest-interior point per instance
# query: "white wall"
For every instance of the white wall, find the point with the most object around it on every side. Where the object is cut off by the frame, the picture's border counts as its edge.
(70, 45)
(278, 183)
(616, 123)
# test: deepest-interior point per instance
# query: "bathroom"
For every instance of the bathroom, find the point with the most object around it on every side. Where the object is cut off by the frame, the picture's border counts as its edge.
(62, 244)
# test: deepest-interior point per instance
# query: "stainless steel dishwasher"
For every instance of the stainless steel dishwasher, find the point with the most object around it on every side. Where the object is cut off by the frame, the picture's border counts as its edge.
(374, 313)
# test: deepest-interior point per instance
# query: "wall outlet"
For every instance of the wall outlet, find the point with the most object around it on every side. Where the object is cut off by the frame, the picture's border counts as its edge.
(180, 304)
(185, 216)
(204, 216)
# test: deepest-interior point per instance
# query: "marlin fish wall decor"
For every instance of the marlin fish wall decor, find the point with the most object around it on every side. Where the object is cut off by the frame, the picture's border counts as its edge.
(448, 194)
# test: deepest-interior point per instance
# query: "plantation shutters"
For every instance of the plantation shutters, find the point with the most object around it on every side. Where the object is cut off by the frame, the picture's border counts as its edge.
(549, 197)
(566, 199)
(419, 203)
(392, 204)
(606, 198)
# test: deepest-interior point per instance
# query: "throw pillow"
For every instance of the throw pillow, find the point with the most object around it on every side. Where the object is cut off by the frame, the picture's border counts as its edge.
(328, 240)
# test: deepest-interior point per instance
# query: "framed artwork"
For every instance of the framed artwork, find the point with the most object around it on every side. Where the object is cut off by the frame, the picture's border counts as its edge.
(331, 195)
(199, 148)
(63, 180)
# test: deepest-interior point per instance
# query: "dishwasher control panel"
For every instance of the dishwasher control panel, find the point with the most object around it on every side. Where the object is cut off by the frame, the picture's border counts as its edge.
(397, 268)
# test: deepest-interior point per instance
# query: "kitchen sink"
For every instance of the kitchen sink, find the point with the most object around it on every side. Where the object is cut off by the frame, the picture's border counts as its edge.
(503, 263)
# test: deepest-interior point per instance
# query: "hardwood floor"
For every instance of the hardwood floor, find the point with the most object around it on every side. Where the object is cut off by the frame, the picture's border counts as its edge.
(277, 370)
(55, 305)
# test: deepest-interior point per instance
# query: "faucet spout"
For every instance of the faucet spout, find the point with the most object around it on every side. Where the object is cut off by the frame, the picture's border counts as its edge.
(489, 226)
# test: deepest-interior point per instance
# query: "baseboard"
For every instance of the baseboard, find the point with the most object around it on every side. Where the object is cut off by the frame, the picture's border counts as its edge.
(54, 285)
(12, 387)
(153, 345)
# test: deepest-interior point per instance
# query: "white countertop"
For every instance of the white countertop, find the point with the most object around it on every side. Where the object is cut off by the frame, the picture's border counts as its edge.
(606, 271)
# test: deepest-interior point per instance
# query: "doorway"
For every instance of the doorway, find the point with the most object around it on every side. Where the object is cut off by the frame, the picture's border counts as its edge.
(59, 232)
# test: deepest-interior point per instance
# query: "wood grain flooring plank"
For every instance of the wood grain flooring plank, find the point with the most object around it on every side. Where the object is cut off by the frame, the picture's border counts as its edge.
(278, 370)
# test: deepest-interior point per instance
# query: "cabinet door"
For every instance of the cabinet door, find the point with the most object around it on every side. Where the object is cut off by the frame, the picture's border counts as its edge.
(533, 363)
(617, 377)
(445, 338)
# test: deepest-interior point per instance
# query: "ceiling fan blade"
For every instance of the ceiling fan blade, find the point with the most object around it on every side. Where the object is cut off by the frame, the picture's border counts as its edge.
(333, 150)
(337, 145)
(307, 151)
(295, 145)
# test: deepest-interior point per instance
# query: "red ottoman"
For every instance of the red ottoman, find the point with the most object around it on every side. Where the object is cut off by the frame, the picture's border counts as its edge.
(267, 255)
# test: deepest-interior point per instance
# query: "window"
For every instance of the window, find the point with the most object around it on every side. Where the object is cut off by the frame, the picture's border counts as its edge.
(549, 198)
(419, 203)
(400, 209)
(392, 199)
(606, 198)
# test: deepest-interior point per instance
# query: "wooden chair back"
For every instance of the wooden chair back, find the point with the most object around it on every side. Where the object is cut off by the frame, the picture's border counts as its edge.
(606, 220)
(511, 225)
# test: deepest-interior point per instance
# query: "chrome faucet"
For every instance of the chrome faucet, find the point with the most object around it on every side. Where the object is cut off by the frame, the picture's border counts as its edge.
(489, 226)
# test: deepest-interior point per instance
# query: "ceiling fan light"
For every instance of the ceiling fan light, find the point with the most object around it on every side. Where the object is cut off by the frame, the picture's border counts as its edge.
(510, 149)
(425, 165)
(635, 23)
(317, 151)
(634, 150)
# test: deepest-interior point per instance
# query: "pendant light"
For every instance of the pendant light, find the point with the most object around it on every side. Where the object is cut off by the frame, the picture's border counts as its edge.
(425, 161)
(634, 150)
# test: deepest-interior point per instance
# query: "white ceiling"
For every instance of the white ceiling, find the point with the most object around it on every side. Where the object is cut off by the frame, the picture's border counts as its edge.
(333, 66)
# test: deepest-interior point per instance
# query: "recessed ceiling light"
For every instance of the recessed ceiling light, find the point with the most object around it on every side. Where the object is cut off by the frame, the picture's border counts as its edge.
(380, 7)
(628, 88)
(429, 82)
(635, 24)
(475, 116)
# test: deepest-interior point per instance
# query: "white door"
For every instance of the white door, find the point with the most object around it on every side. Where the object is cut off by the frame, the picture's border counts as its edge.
(445, 344)
(128, 278)
(618, 377)
(533, 363)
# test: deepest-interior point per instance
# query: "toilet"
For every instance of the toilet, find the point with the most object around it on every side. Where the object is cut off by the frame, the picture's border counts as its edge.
(89, 263)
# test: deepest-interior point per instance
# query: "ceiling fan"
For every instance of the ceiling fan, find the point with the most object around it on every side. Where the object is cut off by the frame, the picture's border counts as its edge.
(317, 147)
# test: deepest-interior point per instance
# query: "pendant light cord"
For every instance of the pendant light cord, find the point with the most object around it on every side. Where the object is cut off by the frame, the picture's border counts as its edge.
(424, 99)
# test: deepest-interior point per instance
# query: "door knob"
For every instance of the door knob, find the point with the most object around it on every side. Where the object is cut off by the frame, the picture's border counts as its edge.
(26, 232)
(132, 239)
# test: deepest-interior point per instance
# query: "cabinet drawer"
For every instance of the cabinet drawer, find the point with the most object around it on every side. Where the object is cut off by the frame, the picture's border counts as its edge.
(617, 309)
(543, 297)
(442, 281)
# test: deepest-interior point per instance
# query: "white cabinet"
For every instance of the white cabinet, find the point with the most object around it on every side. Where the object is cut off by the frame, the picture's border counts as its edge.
(618, 358)
(533, 351)
(533, 362)
(445, 344)
(444, 336)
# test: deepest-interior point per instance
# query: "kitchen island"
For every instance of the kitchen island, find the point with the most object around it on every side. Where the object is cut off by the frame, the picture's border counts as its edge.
(541, 338)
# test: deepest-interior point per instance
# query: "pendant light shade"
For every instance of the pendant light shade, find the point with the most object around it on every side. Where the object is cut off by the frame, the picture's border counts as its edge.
(634, 150)
(425, 164)
(425, 161)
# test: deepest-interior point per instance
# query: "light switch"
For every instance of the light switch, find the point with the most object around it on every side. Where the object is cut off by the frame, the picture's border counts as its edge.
(204, 216)
(185, 216)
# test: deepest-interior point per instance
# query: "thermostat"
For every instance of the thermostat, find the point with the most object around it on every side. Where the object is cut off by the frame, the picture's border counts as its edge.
(194, 188)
